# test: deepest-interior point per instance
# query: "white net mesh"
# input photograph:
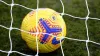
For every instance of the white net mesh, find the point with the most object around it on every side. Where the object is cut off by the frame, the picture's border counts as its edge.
(63, 13)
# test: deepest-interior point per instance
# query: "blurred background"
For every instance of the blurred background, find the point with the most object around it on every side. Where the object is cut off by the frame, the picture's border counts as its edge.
(75, 27)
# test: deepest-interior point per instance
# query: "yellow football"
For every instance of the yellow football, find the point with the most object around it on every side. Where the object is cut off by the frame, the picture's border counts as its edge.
(48, 21)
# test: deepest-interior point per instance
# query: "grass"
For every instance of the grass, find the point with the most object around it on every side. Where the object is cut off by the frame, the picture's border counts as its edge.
(75, 27)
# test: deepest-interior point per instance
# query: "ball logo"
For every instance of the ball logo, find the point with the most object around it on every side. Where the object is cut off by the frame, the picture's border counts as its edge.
(47, 27)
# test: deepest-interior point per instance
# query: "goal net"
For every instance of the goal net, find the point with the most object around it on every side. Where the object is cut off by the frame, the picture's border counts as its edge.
(11, 28)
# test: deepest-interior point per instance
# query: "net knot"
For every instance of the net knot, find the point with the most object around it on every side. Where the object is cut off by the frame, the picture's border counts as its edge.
(62, 14)
(37, 33)
(10, 52)
(29, 55)
(87, 18)
(36, 55)
(62, 37)
(12, 4)
(87, 41)
(10, 28)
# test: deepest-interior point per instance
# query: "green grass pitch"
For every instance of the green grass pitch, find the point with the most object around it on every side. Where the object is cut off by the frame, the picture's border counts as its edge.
(75, 27)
